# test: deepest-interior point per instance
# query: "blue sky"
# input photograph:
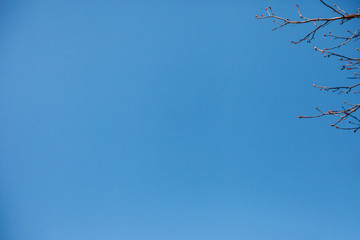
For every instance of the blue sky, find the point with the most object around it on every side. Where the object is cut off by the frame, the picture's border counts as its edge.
(169, 120)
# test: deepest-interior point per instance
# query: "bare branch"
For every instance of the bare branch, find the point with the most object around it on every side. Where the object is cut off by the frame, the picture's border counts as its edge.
(319, 22)
(350, 63)
(332, 8)
(342, 116)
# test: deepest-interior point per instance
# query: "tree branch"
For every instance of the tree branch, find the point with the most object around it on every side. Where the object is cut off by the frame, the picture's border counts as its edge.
(351, 63)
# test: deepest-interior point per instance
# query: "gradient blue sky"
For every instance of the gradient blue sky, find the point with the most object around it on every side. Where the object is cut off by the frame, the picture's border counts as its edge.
(165, 120)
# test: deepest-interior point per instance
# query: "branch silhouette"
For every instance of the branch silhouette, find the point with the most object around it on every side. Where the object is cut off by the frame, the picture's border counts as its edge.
(347, 118)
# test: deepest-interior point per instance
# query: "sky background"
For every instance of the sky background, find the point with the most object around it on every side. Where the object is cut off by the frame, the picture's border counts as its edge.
(165, 120)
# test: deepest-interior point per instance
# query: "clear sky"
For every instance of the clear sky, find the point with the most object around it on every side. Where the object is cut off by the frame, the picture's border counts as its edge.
(165, 120)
